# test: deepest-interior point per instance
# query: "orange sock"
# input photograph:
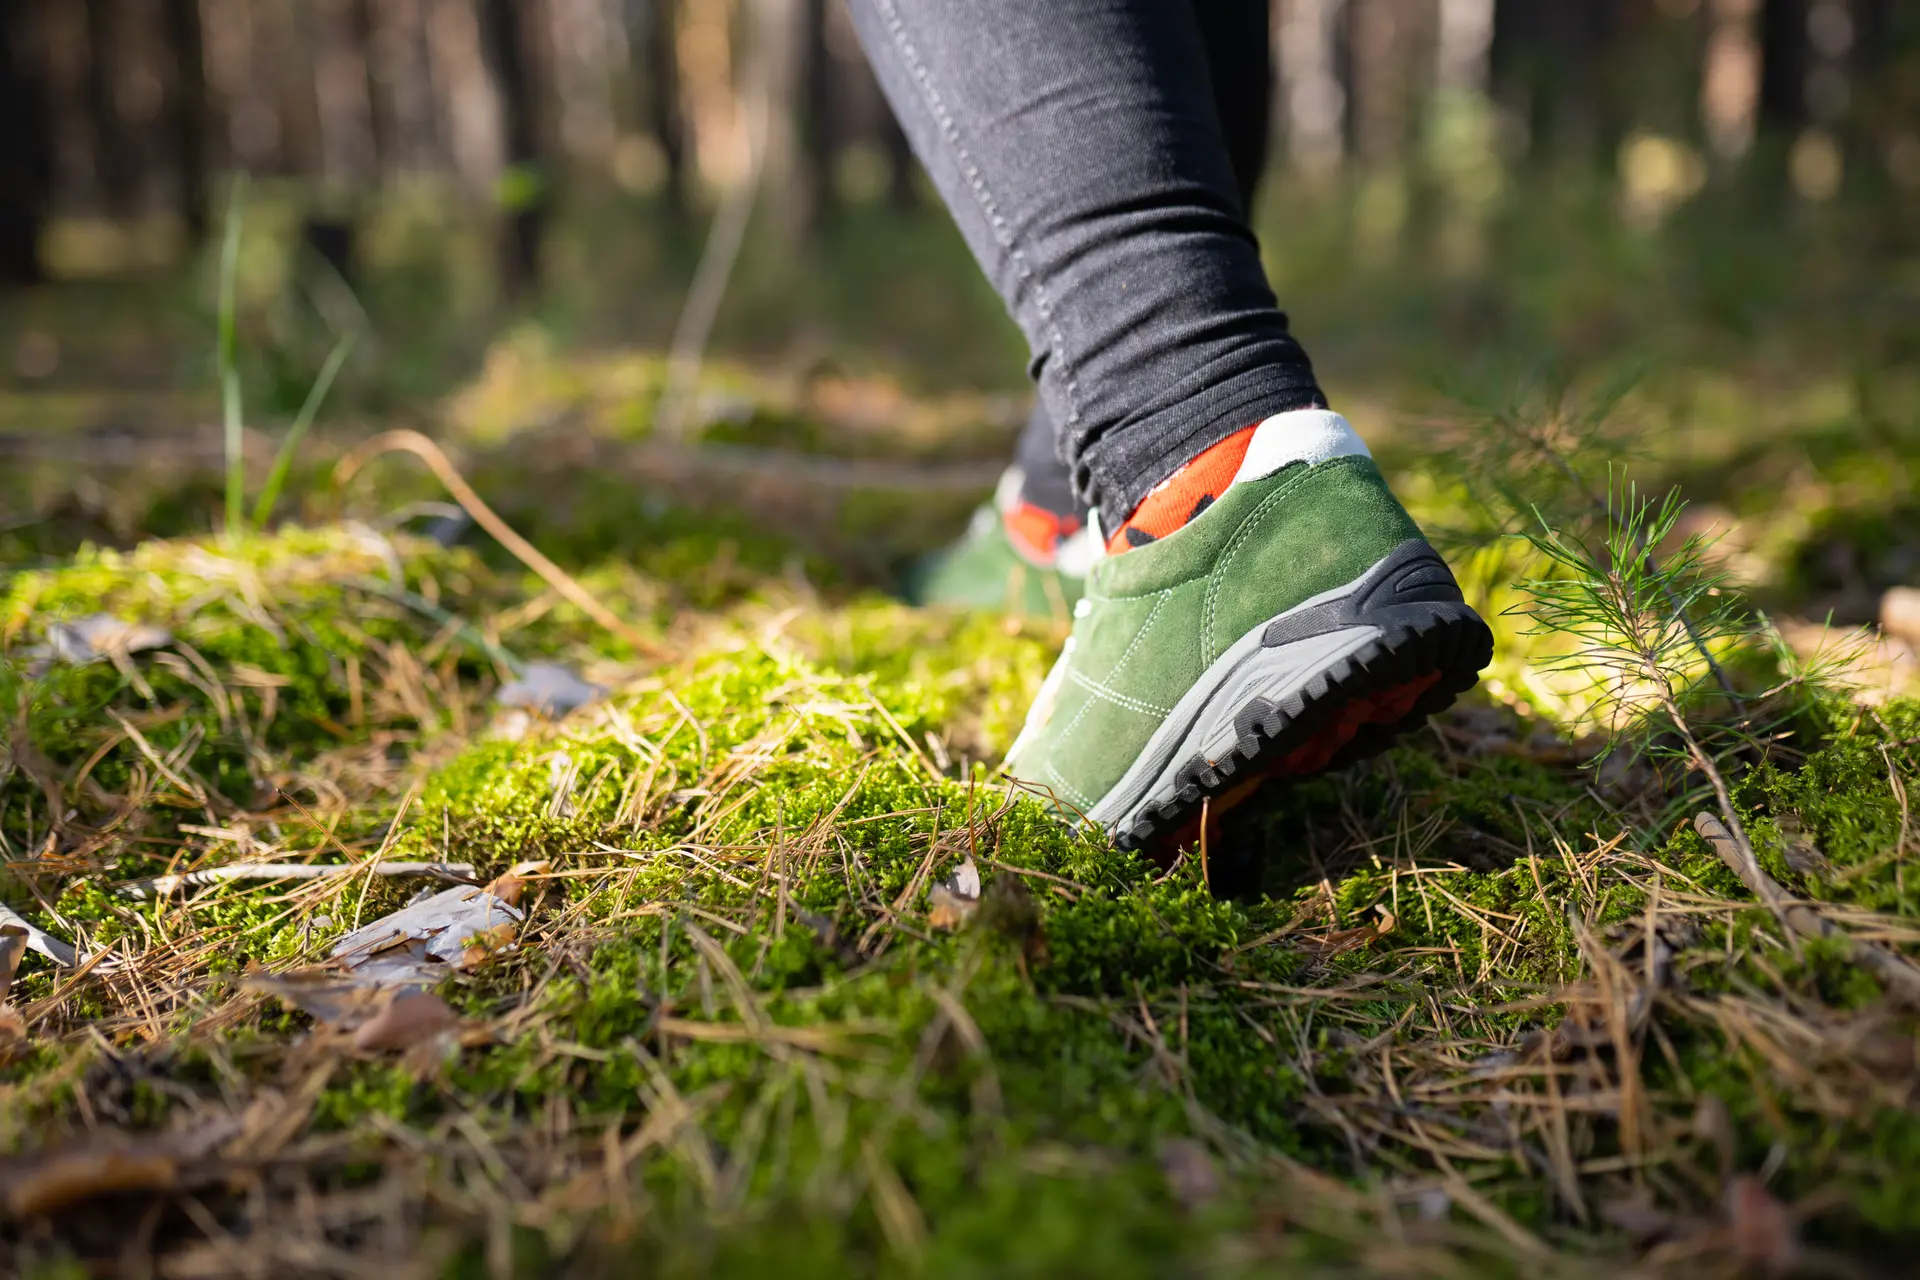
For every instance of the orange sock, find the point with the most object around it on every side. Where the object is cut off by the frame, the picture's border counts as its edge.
(1183, 495)
(1036, 533)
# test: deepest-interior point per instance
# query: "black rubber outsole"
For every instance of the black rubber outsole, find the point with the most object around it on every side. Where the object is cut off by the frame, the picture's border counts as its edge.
(1455, 644)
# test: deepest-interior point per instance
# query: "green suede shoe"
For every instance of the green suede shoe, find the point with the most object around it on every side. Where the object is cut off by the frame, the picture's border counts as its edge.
(1298, 623)
(985, 570)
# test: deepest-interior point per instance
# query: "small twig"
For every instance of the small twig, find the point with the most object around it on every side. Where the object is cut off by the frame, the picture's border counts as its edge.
(559, 579)
(161, 886)
(1206, 814)
(1894, 970)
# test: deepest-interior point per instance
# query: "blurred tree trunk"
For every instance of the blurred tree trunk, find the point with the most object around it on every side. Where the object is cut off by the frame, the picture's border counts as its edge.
(1730, 79)
(289, 48)
(781, 48)
(188, 114)
(113, 157)
(368, 38)
(1877, 73)
(407, 73)
(348, 112)
(902, 195)
(1462, 34)
(505, 42)
(657, 70)
(26, 143)
(1548, 69)
(1313, 81)
(1382, 38)
(1873, 41)
(815, 121)
(1783, 66)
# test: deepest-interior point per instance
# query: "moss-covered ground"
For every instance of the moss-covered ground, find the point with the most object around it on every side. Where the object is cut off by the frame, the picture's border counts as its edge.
(1485, 1005)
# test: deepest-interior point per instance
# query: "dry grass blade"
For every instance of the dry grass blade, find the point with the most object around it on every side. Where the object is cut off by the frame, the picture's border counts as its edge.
(162, 886)
(559, 579)
(829, 1040)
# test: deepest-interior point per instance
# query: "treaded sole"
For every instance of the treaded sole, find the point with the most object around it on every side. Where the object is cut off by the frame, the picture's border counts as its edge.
(1419, 663)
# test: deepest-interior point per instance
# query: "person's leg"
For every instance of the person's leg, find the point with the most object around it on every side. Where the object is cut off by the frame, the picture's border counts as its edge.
(1044, 512)
(1276, 610)
(1236, 38)
(1027, 550)
(1077, 144)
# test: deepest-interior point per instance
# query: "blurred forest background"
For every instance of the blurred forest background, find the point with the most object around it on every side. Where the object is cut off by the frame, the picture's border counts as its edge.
(473, 189)
(662, 281)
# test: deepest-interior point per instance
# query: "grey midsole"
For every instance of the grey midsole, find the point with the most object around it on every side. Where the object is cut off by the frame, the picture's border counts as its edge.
(1202, 721)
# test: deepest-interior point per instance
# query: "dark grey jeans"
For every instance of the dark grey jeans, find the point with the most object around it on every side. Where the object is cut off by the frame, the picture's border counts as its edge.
(1099, 157)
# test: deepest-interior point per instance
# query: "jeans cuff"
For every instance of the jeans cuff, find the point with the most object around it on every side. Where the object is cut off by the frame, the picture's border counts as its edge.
(1125, 464)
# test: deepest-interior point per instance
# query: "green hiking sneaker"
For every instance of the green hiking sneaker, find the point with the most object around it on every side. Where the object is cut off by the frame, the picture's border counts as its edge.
(988, 569)
(1297, 621)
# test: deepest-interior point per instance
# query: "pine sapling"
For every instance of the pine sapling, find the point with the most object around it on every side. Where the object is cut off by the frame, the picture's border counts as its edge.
(1647, 630)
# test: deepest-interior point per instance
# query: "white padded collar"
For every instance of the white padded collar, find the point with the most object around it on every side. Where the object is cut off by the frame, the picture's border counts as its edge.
(1301, 435)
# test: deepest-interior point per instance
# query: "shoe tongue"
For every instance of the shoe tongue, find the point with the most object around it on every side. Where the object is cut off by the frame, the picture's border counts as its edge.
(1301, 435)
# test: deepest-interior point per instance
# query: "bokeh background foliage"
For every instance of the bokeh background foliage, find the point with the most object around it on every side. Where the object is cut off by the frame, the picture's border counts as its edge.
(1490, 1004)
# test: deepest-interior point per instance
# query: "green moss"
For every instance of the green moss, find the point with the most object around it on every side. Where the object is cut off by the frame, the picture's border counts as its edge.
(746, 841)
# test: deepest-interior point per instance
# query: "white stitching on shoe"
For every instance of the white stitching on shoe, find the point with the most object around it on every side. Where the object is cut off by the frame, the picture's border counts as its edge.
(1247, 526)
(1117, 698)
(1073, 793)
(1119, 666)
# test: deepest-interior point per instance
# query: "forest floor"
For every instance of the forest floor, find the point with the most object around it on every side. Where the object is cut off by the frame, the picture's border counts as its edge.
(748, 960)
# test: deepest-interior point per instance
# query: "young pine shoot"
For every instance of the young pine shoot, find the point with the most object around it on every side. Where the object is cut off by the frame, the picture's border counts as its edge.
(1646, 631)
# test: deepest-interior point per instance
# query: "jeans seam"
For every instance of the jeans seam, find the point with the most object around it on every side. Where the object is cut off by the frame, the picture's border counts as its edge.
(930, 95)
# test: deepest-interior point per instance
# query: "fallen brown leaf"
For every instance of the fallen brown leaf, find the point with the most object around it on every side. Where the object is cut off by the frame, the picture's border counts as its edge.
(481, 946)
(13, 1034)
(947, 909)
(509, 886)
(46, 1181)
(1762, 1232)
(1191, 1174)
(952, 902)
(1327, 945)
(327, 994)
(408, 1020)
(13, 1028)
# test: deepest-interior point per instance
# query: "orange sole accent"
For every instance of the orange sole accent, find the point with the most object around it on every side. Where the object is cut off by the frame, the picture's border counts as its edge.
(1383, 706)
